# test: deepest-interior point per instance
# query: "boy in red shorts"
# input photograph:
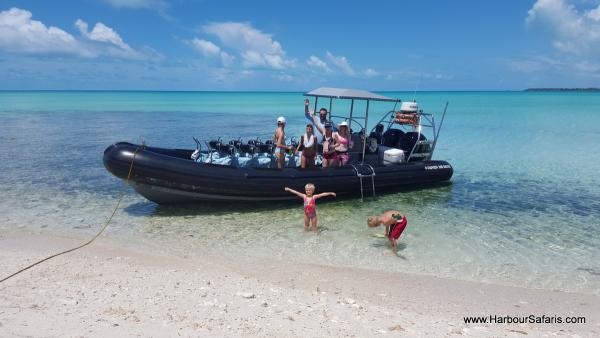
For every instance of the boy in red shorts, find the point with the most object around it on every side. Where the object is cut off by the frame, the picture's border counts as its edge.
(395, 223)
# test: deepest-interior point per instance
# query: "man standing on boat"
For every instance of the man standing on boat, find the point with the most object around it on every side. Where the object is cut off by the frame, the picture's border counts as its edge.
(318, 123)
(279, 140)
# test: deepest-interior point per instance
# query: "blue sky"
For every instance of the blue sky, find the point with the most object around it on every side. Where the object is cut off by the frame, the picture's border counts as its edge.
(285, 45)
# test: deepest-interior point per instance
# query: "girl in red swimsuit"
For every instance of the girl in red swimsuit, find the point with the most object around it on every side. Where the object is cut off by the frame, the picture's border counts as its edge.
(310, 210)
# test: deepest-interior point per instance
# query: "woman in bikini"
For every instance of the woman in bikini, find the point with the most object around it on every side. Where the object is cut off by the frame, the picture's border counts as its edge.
(341, 144)
(279, 141)
(308, 146)
(310, 209)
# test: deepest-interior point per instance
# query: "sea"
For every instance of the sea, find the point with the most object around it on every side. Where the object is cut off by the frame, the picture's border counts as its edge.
(522, 209)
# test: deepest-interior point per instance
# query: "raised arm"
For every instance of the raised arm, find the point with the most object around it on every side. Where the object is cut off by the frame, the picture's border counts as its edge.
(313, 116)
(317, 123)
(323, 194)
(299, 194)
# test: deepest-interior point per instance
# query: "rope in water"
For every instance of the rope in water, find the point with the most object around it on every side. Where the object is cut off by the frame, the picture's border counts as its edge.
(122, 194)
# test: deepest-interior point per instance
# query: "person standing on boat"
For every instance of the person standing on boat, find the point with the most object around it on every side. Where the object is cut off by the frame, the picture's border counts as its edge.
(324, 133)
(279, 140)
(308, 146)
(341, 144)
(318, 123)
(328, 149)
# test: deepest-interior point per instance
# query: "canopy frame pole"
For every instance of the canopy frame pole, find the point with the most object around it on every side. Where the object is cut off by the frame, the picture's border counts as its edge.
(350, 121)
(330, 108)
(316, 100)
(438, 131)
(362, 160)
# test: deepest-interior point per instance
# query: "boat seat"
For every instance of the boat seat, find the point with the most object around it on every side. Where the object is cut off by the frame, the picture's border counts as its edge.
(214, 144)
(262, 162)
(265, 148)
(226, 149)
(247, 148)
(235, 143)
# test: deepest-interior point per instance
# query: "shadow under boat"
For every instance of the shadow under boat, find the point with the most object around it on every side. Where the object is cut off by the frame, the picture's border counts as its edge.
(433, 193)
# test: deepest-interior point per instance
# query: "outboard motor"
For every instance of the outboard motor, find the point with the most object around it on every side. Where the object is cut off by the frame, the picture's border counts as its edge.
(408, 140)
(391, 137)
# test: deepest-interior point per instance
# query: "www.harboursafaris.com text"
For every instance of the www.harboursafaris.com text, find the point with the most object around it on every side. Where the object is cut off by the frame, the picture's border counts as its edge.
(531, 319)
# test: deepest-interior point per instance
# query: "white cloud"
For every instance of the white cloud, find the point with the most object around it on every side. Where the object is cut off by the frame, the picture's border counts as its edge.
(285, 77)
(341, 62)
(106, 41)
(370, 72)
(209, 49)
(101, 33)
(574, 32)
(317, 64)
(594, 14)
(147, 4)
(256, 48)
(20, 34)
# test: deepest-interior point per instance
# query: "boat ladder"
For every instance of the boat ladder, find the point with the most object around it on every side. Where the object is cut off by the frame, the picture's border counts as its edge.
(360, 173)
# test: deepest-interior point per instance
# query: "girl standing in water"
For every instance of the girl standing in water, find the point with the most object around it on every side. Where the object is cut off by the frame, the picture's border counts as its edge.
(310, 209)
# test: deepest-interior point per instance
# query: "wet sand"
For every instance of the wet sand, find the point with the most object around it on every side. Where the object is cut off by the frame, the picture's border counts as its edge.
(113, 288)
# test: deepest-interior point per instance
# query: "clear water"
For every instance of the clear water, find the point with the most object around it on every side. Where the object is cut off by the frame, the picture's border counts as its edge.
(523, 207)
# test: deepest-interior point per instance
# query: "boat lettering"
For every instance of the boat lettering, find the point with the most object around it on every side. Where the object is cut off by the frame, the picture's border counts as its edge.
(435, 167)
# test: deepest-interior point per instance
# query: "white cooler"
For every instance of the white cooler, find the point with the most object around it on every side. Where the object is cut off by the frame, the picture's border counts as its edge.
(390, 155)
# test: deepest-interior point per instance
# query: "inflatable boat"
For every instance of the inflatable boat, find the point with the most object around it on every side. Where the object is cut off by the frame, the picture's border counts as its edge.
(386, 160)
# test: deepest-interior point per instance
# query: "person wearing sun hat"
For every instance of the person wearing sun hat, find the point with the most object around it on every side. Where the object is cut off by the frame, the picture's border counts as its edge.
(341, 144)
(279, 140)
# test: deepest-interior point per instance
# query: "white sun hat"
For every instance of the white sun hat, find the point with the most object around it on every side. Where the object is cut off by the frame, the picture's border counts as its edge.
(343, 123)
(281, 119)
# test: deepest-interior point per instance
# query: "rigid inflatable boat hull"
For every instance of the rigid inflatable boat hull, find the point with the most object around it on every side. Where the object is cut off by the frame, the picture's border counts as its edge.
(169, 176)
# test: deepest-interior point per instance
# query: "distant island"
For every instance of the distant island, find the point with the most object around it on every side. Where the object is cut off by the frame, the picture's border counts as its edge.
(562, 90)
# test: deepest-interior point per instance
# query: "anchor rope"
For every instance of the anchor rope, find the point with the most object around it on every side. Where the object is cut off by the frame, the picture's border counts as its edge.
(114, 211)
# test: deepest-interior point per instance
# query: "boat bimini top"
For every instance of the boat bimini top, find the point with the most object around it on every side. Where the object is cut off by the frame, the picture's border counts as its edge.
(352, 94)
(390, 117)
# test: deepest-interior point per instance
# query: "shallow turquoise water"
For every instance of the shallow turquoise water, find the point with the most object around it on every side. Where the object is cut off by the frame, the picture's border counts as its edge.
(523, 207)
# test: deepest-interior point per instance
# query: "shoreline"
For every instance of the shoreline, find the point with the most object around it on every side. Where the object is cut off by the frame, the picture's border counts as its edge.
(109, 288)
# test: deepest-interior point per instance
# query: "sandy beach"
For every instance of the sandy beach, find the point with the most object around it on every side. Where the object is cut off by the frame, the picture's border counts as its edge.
(130, 290)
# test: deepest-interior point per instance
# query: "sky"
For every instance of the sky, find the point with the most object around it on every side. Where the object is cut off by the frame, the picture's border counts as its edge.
(298, 45)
